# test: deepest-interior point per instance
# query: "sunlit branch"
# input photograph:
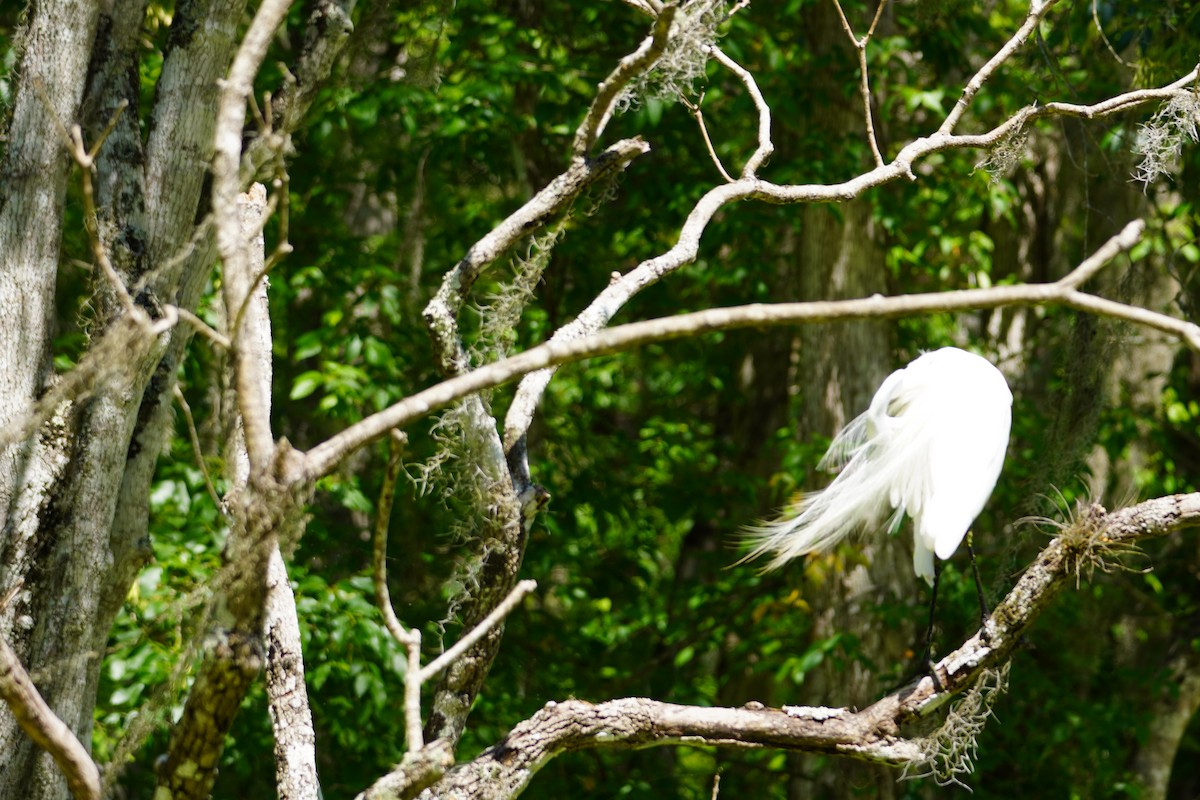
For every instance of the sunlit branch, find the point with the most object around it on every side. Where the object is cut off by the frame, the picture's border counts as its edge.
(490, 621)
(631, 66)
(876, 733)
(606, 305)
(765, 146)
(42, 725)
(325, 456)
(1037, 10)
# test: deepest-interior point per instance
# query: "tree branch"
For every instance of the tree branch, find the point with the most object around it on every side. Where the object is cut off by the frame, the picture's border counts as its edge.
(765, 146)
(864, 84)
(228, 210)
(876, 733)
(43, 726)
(287, 694)
(606, 305)
(325, 456)
(410, 639)
(442, 311)
(632, 65)
(325, 37)
(1037, 10)
(486, 624)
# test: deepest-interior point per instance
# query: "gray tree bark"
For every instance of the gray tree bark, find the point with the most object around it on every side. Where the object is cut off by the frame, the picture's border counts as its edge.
(73, 489)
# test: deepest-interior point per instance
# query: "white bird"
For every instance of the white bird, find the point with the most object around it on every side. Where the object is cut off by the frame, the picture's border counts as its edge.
(930, 446)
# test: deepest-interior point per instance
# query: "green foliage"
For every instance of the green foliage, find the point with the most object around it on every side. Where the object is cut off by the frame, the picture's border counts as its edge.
(655, 458)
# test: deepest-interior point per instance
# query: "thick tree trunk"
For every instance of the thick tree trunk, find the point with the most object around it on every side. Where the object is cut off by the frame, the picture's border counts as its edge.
(73, 496)
(37, 550)
(840, 367)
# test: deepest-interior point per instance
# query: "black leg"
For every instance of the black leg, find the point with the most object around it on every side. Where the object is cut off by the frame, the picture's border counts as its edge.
(937, 576)
(983, 606)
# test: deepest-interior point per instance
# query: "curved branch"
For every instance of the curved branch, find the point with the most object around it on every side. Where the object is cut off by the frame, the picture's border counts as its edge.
(1037, 10)
(876, 733)
(45, 728)
(606, 305)
(765, 146)
(325, 456)
(627, 69)
(441, 314)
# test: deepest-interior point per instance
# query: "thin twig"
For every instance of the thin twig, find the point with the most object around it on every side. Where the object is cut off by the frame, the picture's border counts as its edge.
(1037, 10)
(864, 86)
(1104, 38)
(490, 621)
(409, 637)
(765, 146)
(202, 327)
(694, 109)
(86, 159)
(197, 450)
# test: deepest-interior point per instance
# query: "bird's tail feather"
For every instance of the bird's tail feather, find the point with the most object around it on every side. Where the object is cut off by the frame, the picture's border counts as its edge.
(857, 498)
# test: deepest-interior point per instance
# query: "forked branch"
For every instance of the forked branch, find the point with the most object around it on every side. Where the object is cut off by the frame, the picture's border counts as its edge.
(878, 733)
(324, 457)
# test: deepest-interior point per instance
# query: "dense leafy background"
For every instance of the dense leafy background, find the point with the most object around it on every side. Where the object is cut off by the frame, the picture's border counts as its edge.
(447, 117)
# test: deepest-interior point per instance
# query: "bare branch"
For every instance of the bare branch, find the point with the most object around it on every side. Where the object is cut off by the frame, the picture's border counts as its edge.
(765, 146)
(611, 87)
(864, 86)
(1121, 242)
(86, 160)
(876, 733)
(698, 114)
(411, 639)
(1104, 37)
(490, 621)
(201, 327)
(228, 214)
(1037, 10)
(287, 694)
(42, 725)
(442, 311)
(197, 451)
(325, 456)
(606, 305)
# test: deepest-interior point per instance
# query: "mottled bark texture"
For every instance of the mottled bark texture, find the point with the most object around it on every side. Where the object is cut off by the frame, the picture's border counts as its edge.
(73, 488)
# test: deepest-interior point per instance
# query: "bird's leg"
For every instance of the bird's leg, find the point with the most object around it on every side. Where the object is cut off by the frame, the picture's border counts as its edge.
(937, 576)
(983, 606)
(927, 659)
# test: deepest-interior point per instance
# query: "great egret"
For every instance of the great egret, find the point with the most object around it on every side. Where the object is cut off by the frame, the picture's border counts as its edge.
(930, 446)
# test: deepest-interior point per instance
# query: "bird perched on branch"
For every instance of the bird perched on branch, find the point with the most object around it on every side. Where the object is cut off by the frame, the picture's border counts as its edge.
(930, 446)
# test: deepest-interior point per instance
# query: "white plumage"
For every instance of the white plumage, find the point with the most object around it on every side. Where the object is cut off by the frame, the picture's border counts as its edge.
(930, 446)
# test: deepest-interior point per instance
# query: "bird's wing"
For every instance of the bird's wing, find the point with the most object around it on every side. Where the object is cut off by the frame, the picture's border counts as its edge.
(866, 428)
(846, 444)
